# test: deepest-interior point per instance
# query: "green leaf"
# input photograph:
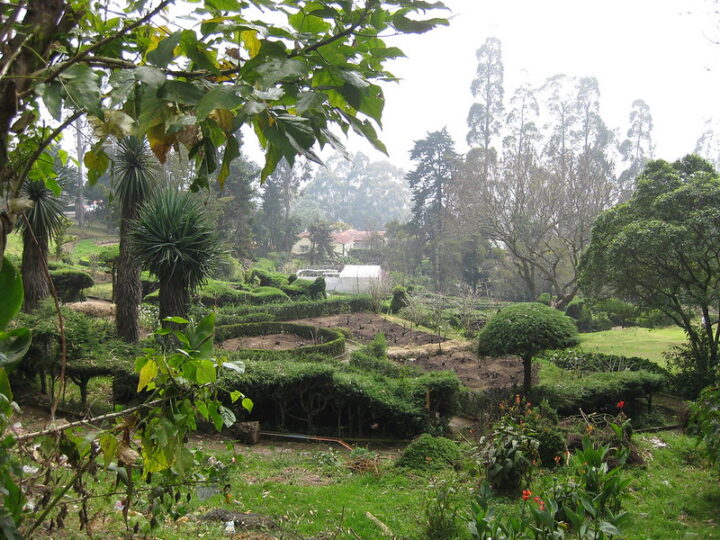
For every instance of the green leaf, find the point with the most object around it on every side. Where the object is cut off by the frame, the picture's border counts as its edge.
(205, 372)
(280, 69)
(215, 416)
(5, 388)
(235, 395)
(196, 52)
(221, 97)
(177, 320)
(13, 346)
(202, 409)
(109, 445)
(228, 417)
(232, 150)
(247, 404)
(410, 26)
(308, 23)
(51, 94)
(236, 366)
(147, 374)
(12, 292)
(83, 86)
(97, 162)
(154, 78)
(163, 54)
(309, 100)
(51, 183)
(181, 92)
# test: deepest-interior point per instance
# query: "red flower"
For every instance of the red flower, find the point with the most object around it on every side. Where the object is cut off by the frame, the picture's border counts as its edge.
(620, 404)
(540, 503)
(526, 494)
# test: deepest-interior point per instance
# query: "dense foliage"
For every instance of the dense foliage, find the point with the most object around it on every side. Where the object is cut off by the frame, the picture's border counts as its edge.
(661, 250)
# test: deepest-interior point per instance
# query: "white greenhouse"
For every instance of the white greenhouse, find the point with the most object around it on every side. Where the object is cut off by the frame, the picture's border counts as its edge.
(352, 279)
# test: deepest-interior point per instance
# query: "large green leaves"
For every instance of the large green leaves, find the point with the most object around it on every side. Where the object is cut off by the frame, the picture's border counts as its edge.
(12, 292)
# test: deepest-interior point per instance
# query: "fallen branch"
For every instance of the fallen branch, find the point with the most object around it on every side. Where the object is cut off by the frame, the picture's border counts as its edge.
(89, 421)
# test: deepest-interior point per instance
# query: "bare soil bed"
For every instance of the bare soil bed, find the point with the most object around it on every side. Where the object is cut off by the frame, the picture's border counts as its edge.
(365, 326)
(274, 342)
(473, 371)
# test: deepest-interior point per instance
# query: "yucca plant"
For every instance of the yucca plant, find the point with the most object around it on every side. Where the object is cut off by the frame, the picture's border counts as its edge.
(175, 241)
(133, 180)
(45, 220)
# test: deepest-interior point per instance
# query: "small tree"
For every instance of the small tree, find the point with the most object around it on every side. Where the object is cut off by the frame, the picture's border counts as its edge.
(526, 330)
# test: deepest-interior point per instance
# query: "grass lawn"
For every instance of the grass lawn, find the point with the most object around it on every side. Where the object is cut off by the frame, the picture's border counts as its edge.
(647, 343)
(310, 493)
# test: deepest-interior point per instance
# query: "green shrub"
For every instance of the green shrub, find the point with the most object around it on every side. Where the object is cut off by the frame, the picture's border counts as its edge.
(288, 311)
(430, 453)
(317, 288)
(589, 362)
(507, 455)
(267, 278)
(598, 392)
(545, 299)
(332, 398)
(399, 299)
(705, 422)
(619, 312)
(70, 283)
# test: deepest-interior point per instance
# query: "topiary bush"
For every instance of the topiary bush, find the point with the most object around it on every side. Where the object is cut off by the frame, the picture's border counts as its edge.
(399, 299)
(525, 330)
(70, 283)
(430, 453)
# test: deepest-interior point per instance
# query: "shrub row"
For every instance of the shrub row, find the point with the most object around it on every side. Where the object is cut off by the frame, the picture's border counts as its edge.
(289, 311)
(598, 391)
(317, 397)
(588, 362)
(229, 296)
(326, 341)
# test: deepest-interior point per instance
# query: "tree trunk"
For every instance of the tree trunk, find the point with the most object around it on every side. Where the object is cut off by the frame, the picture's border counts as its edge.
(527, 374)
(128, 292)
(173, 298)
(34, 260)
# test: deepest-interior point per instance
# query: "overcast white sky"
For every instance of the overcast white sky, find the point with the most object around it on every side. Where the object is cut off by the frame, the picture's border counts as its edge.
(657, 50)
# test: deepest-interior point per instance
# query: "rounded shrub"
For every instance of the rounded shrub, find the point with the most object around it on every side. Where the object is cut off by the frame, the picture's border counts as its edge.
(429, 453)
(70, 283)
(526, 329)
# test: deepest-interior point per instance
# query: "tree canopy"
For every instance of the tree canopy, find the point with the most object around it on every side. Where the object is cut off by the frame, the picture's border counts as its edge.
(661, 249)
(294, 70)
(527, 329)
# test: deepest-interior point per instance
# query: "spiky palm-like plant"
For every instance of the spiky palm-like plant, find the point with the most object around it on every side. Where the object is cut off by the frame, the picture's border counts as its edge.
(133, 179)
(174, 241)
(46, 220)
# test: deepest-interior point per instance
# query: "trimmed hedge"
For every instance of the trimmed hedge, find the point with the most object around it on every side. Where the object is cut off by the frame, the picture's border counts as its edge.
(331, 342)
(598, 392)
(218, 295)
(70, 283)
(289, 311)
(588, 362)
(321, 397)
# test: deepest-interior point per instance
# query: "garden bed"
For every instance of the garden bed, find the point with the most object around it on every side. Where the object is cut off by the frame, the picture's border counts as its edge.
(478, 373)
(365, 326)
(273, 342)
